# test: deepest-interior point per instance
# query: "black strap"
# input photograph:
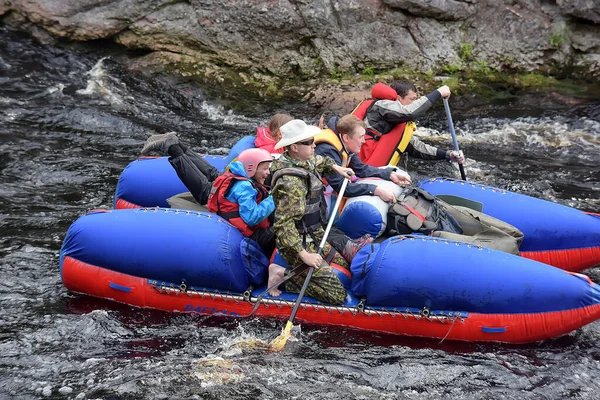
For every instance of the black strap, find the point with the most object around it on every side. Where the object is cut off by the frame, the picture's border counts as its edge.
(330, 255)
(374, 135)
(229, 215)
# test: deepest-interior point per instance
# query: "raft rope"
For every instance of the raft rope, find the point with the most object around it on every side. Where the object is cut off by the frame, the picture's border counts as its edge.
(204, 293)
(449, 329)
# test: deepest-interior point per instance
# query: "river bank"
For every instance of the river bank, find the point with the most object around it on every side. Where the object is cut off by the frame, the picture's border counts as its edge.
(261, 54)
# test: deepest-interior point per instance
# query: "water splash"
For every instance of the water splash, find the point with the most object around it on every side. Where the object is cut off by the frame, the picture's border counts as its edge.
(99, 84)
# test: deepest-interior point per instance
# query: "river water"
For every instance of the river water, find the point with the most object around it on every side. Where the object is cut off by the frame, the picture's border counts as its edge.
(73, 118)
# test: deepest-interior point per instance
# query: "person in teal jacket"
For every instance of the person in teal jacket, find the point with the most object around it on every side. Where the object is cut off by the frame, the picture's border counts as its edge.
(246, 193)
(241, 197)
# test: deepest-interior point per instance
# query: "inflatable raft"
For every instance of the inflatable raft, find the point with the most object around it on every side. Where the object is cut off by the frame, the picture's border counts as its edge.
(188, 261)
(557, 235)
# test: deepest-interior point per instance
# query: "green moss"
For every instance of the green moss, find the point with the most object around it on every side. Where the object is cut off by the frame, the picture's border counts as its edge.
(558, 38)
(453, 82)
(465, 51)
(254, 90)
(335, 73)
(368, 71)
(272, 90)
(452, 69)
(482, 68)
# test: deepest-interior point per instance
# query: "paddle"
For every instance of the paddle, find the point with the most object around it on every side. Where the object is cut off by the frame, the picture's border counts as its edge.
(279, 342)
(460, 166)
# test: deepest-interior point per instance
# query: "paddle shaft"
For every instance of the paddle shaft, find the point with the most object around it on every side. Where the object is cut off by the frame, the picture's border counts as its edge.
(321, 245)
(460, 166)
(296, 271)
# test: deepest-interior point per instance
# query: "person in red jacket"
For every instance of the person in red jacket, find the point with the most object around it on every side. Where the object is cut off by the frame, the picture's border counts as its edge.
(267, 137)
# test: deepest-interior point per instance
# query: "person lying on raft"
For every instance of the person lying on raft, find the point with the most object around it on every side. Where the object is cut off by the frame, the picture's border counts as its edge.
(267, 137)
(239, 195)
(194, 171)
(300, 214)
(342, 142)
(389, 115)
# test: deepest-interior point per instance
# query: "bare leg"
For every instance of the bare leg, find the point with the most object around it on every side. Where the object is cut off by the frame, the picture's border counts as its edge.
(275, 275)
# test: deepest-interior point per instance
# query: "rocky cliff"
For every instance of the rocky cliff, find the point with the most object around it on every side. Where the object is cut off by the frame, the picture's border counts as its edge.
(269, 45)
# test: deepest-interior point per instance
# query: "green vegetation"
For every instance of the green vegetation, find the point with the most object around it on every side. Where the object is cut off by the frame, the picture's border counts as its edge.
(271, 90)
(465, 51)
(482, 68)
(558, 38)
(368, 71)
(335, 73)
(453, 82)
(452, 69)
(256, 90)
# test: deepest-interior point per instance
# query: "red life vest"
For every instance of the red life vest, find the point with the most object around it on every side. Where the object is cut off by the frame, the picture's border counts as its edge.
(383, 148)
(218, 203)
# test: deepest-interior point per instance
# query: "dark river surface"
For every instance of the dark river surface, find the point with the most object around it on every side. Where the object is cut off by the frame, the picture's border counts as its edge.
(71, 120)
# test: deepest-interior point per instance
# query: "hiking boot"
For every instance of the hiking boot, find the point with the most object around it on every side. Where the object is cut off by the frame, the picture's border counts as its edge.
(353, 246)
(160, 143)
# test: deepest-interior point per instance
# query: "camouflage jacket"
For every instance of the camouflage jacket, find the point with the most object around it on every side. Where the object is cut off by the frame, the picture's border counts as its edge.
(290, 195)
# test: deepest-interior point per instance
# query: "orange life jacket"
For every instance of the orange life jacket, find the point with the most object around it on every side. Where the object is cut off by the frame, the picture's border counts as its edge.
(218, 203)
(329, 136)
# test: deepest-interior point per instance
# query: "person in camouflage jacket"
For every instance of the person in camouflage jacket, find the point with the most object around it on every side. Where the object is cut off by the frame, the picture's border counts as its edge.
(300, 214)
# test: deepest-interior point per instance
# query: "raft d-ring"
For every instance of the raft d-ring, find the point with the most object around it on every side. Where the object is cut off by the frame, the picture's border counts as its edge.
(361, 305)
(183, 286)
(425, 312)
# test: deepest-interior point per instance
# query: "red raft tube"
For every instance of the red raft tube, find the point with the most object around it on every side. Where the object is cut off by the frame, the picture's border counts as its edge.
(199, 263)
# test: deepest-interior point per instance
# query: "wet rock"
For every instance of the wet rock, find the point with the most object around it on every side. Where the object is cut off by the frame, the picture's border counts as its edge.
(47, 391)
(65, 390)
(269, 48)
(438, 9)
(585, 9)
(303, 39)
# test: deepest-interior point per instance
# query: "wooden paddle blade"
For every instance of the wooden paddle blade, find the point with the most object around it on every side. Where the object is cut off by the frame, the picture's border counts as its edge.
(279, 342)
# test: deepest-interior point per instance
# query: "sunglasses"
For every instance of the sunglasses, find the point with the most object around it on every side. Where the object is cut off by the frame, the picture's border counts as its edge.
(307, 142)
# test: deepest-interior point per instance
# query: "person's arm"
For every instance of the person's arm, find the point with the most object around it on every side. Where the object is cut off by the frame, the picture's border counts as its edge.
(289, 195)
(353, 189)
(324, 165)
(363, 170)
(334, 179)
(418, 149)
(245, 194)
(393, 111)
(327, 166)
